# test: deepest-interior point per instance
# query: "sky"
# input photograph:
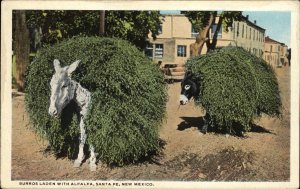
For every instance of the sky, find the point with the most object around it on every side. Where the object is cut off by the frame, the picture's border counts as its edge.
(276, 23)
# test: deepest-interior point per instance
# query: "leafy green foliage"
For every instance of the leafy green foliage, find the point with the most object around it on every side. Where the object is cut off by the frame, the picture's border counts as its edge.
(128, 99)
(228, 17)
(58, 25)
(133, 26)
(235, 87)
(199, 19)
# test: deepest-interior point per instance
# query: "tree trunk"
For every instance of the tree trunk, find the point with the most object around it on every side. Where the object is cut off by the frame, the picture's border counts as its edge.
(22, 48)
(102, 23)
(202, 37)
(215, 37)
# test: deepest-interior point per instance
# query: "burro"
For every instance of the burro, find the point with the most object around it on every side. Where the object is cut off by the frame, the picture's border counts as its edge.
(63, 90)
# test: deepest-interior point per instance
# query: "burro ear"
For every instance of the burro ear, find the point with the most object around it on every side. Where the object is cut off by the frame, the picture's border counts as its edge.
(56, 64)
(73, 67)
(188, 74)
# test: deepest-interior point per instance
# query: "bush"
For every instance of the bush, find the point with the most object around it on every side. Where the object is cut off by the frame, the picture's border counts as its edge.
(128, 99)
(235, 87)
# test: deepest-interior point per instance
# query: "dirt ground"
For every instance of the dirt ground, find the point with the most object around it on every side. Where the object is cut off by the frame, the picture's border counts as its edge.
(187, 155)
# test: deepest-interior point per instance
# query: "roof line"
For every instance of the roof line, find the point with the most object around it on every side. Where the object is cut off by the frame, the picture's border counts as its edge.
(251, 23)
(272, 40)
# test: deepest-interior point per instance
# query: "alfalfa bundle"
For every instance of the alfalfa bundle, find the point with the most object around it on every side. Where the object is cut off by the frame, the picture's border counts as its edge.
(128, 99)
(235, 87)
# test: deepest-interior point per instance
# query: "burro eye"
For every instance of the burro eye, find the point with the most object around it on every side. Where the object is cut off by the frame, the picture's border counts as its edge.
(187, 87)
(64, 85)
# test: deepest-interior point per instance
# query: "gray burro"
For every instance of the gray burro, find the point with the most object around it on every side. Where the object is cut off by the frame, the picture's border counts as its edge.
(63, 90)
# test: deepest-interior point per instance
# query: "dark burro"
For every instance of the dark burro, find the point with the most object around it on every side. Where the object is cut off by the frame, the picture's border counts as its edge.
(233, 86)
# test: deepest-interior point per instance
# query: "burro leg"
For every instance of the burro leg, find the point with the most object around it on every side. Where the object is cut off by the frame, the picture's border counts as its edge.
(206, 120)
(80, 156)
(93, 165)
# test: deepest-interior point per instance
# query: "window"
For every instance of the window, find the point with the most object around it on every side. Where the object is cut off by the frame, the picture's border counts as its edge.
(254, 51)
(233, 31)
(250, 34)
(271, 48)
(149, 50)
(194, 32)
(237, 29)
(246, 32)
(243, 31)
(159, 50)
(160, 29)
(181, 50)
(213, 30)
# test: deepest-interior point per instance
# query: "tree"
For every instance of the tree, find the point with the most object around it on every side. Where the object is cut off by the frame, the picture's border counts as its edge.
(102, 23)
(133, 26)
(202, 21)
(59, 24)
(48, 27)
(21, 46)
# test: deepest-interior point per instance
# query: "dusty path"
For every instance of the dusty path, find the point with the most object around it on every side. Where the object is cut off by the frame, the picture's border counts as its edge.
(188, 154)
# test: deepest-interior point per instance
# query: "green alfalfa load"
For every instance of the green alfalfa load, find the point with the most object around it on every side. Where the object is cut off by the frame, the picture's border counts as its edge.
(235, 88)
(128, 99)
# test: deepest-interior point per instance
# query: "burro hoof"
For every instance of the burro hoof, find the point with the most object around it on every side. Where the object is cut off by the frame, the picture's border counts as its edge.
(204, 129)
(93, 167)
(77, 164)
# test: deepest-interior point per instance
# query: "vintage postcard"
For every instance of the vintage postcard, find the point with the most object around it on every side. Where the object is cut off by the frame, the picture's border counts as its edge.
(150, 94)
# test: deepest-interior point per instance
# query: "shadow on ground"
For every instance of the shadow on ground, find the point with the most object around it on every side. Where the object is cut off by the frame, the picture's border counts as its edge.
(198, 122)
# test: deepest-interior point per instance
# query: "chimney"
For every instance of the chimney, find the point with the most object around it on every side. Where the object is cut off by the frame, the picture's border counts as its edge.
(247, 17)
(254, 21)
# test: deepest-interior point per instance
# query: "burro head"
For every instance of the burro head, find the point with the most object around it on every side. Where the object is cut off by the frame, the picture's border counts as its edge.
(189, 89)
(62, 90)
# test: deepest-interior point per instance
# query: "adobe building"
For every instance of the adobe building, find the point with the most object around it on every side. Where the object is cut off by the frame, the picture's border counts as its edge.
(249, 36)
(275, 53)
(172, 45)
